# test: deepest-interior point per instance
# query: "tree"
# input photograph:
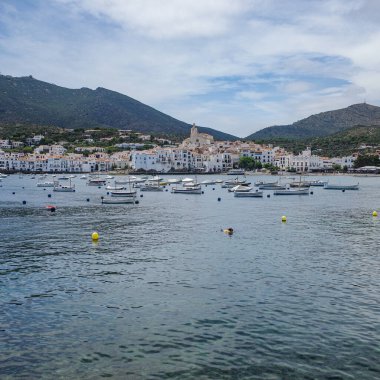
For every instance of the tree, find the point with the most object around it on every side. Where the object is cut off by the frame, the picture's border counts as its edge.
(366, 160)
(336, 167)
(249, 163)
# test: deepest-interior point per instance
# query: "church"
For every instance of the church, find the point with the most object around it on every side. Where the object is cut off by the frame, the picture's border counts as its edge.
(198, 140)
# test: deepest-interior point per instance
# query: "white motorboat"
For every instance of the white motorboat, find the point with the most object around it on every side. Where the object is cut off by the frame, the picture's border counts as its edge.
(341, 187)
(151, 187)
(96, 182)
(109, 187)
(45, 184)
(186, 180)
(236, 182)
(122, 193)
(190, 184)
(240, 189)
(260, 183)
(118, 201)
(208, 182)
(301, 191)
(236, 172)
(318, 183)
(249, 194)
(187, 190)
(64, 188)
(109, 177)
(172, 181)
(272, 187)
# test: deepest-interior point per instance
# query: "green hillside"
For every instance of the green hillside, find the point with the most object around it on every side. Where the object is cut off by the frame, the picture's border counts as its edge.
(339, 144)
(26, 100)
(323, 124)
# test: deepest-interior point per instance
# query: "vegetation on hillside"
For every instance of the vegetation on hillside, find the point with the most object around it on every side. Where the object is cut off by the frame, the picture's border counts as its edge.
(29, 101)
(360, 138)
(323, 124)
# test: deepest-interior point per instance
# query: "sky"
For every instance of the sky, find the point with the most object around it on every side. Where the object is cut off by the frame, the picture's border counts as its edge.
(234, 65)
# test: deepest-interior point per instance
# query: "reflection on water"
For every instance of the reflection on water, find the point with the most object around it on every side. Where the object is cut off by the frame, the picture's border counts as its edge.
(165, 294)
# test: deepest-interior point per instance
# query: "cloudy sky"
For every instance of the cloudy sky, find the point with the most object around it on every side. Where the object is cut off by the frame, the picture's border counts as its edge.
(232, 65)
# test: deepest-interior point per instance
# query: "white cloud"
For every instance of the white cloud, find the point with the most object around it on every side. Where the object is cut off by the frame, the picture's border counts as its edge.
(237, 66)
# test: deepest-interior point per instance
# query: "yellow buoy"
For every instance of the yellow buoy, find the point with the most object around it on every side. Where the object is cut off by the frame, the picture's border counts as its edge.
(95, 236)
(374, 213)
(283, 218)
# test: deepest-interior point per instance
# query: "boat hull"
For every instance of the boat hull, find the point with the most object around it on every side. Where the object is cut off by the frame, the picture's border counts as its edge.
(341, 187)
(256, 194)
(292, 192)
(118, 201)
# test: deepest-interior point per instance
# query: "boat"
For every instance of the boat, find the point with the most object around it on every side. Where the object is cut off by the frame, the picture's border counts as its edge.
(300, 191)
(236, 172)
(302, 184)
(96, 182)
(240, 189)
(172, 181)
(109, 177)
(272, 187)
(190, 184)
(131, 179)
(248, 194)
(123, 193)
(260, 183)
(235, 182)
(187, 190)
(118, 201)
(187, 180)
(208, 182)
(45, 184)
(151, 187)
(64, 178)
(64, 188)
(109, 187)
(341, 187)
(318, 183)
(83, 177)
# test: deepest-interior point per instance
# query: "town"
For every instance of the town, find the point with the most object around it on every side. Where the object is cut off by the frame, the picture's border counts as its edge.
(198, 153)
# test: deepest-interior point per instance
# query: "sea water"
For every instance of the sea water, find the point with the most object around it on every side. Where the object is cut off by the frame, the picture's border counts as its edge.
(165, 294)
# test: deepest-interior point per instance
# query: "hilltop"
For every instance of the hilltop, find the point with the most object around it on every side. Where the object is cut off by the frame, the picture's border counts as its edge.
(323, 124)
(363, 139)
(29, 101)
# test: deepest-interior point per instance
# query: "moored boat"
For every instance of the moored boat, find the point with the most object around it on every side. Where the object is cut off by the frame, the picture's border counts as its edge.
(96, 182)
(236, 172)
(118, 201)
(272, 187)
(45, 184)
(318, 183)
(109, 187)
(122, 193)
(249, 194)
(341, 187)
(240, 189)
(300, 191)
(187, 190)
(64, 188)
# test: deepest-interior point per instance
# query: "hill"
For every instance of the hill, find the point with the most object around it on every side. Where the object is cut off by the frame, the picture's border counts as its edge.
(26, 100)
(323, 124)
(365, 139)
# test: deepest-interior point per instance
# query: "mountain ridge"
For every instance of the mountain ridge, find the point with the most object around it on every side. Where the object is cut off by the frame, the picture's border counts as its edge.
(31, 101)
(323, 123)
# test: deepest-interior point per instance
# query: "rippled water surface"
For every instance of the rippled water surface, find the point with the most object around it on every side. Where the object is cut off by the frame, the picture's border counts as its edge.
(165, 294)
